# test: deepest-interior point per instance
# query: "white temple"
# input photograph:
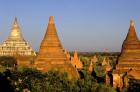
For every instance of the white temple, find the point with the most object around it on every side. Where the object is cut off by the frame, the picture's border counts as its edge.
(15, 44)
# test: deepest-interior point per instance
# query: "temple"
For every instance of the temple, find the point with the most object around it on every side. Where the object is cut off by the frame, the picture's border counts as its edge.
(106, 63)
(51, 55)
(130, 55)
(15, 45)
(94, 59)
(92, 63)
(90, 68)
(129, 59)
(76, 61)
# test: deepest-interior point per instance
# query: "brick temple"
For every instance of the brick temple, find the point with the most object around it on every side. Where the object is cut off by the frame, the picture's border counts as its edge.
(51, 54)
(129, 60)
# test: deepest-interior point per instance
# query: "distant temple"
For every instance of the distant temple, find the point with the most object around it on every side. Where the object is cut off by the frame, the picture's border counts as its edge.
(129, 60)
(76, 61)
(16, 46)
(92, 63)
(90, 68)
(106, 64)
(51, 55)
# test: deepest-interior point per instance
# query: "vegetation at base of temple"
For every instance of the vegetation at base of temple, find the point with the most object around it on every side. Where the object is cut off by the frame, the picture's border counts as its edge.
(20, 79)
(7, 61)
(33, 80)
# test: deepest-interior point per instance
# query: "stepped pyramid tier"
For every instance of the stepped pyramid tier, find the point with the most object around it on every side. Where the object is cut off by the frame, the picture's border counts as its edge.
(15, 44)
(130, 55)
(76, 61)
(51, 55)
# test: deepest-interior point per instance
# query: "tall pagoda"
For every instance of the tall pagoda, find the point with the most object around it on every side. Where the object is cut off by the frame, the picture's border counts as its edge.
(129, 59)
(51, 55)
(130, 55)
(16, 46)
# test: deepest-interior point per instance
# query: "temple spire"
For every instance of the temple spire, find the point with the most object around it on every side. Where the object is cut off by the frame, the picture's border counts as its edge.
(131, 22)
(76, 61)
(51, 36)
(15, 31)
(15, 21)
(51, 20)
(75, 54)
(15, 24)
(131, 32)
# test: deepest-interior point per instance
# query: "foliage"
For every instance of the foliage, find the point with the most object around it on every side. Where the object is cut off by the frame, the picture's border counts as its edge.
(7, 61)
(52, 81)
(99, 70)
(103, 88)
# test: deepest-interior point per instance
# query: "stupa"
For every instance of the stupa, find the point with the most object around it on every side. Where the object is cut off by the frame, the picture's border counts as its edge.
(76, 61)
(51, 55)
(129, 59)
(15, 45)
(130, 55)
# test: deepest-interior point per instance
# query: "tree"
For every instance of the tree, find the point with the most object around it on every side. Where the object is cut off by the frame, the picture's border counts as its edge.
(8, 61)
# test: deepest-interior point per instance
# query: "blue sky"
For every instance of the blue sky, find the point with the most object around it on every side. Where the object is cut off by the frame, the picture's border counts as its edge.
(83, 25)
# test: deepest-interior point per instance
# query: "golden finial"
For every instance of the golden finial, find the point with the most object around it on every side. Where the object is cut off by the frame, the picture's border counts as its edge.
(131, 22)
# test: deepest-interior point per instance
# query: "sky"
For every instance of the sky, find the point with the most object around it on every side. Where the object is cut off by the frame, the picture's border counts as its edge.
(82, 25)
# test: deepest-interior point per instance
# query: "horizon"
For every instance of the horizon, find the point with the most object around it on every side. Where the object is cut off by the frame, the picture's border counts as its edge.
(85, 26)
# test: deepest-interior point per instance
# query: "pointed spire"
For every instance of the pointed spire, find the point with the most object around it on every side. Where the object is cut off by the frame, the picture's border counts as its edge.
(15, 31)
(51, 20)
(67, 54)
(131, 32)
(15, 24)
(51, 43)
(15, 21)
(76, 61)
(75, 55)
(131, 22)
(51, 35)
